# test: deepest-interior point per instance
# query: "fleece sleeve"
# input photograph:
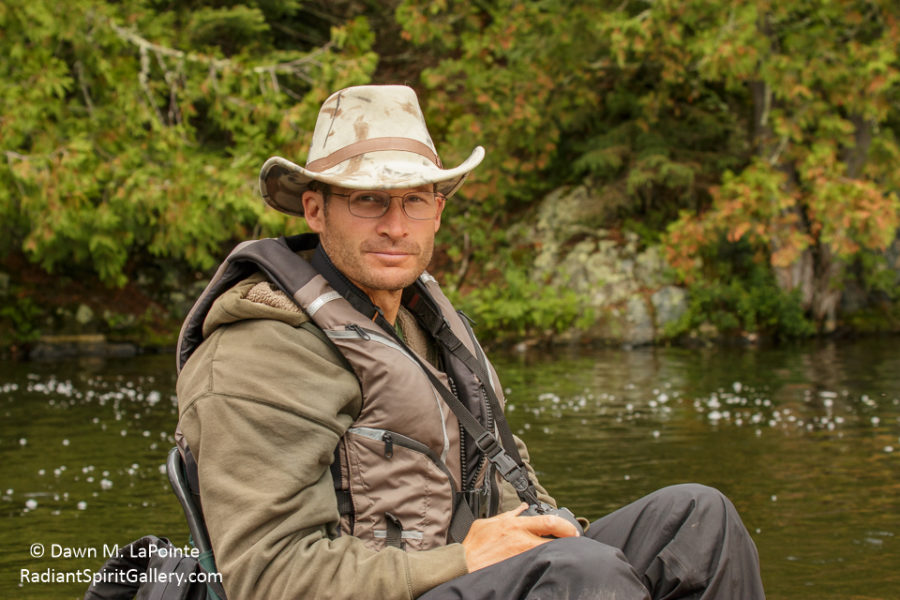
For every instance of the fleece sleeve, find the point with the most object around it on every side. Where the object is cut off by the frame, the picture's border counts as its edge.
(262, 406)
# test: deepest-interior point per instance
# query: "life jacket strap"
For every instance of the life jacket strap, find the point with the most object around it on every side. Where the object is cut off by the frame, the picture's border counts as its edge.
(393, 531)
(462, 519)
(506, 457)
(344, 502)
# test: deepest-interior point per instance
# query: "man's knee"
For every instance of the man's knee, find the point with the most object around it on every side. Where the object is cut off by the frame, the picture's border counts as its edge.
(696, 498)
(582, 553)
(595, 566)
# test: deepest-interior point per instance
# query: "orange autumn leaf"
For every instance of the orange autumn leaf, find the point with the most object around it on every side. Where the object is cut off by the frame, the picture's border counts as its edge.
(738, 232)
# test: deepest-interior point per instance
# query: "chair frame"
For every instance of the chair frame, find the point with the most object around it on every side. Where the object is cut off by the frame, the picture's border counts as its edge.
(175, 469)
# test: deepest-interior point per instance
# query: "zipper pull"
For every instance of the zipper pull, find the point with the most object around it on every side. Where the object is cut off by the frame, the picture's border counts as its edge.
(359, 331)
(388, 440)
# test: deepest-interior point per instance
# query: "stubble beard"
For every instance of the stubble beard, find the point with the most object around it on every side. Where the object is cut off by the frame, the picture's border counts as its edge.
(347, 256)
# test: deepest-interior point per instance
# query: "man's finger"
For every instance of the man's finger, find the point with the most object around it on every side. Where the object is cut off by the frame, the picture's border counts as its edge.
(552, 525)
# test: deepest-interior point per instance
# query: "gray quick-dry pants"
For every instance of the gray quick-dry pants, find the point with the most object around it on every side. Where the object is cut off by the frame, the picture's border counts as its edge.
(684, 541)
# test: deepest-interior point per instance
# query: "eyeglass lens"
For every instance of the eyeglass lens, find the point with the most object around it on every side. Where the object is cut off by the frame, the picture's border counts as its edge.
(373, 204)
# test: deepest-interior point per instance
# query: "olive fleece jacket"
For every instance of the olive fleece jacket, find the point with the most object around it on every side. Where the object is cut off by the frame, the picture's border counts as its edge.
(263, 402)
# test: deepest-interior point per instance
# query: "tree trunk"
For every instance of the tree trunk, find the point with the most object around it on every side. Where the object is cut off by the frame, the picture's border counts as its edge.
(816, 274)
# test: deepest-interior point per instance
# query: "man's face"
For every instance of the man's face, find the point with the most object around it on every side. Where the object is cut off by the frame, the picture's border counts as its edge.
(382, 254)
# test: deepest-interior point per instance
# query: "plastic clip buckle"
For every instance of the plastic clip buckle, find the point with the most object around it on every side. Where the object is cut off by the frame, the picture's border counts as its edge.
(508, 468)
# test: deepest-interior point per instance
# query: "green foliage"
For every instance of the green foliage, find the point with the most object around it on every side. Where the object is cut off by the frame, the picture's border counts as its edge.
(703, 117)
(18, 316)
(877, 276)
(129, 136)
(739, 295)
(226, 28)
(133, 132)
(819, 181)
(513, 76)
(877, 283)
(520, 307)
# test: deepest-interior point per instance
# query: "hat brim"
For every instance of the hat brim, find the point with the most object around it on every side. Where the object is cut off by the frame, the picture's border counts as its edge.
(282, 182)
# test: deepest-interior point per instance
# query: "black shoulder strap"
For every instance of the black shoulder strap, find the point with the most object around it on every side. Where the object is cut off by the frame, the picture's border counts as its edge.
(424, 306)
(351, 293)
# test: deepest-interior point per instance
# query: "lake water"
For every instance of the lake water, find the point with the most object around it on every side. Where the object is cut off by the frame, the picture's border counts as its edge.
(804, 439)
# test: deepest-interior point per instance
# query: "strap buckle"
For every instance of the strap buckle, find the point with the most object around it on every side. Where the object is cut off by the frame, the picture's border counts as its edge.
(445, 334)
(487, 443)
(508, 468)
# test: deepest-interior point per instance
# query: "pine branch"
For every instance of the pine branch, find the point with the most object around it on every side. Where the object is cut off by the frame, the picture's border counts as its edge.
(294, 67)
(299, 67)
(79, 73)
(145, 45)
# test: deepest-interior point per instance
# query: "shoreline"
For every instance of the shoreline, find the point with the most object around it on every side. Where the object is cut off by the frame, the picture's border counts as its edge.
(64, 347)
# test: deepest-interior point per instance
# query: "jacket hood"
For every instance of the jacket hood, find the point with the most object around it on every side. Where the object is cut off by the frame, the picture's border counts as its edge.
(252, 298)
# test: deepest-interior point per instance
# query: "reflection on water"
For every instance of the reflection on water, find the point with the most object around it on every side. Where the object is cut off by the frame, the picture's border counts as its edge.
(804, 440)
(81, 447)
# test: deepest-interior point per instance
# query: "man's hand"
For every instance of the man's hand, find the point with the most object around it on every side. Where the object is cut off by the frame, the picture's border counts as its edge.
(492, 540)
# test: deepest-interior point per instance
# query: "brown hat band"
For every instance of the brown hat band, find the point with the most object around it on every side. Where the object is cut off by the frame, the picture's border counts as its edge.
(374, 145)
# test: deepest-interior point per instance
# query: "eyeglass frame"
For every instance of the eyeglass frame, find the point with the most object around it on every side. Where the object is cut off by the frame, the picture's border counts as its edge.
(437, 195)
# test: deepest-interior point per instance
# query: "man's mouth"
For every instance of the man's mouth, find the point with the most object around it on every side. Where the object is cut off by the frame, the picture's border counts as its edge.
(390, 257)
(390, 252)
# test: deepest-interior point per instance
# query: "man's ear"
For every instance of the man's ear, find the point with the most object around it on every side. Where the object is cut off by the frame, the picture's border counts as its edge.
(440, 209)
(314, 210)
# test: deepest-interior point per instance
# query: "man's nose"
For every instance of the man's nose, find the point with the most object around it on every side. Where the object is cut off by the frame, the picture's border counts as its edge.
(394, 223)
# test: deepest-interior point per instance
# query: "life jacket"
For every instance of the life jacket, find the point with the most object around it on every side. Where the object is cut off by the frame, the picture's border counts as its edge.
(411, 470)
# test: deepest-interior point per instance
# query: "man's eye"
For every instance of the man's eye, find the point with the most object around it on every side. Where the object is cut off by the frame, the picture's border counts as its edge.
(416, 199)
(368, 199)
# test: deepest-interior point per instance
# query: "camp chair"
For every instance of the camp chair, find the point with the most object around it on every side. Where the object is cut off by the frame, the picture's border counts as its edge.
(189, 499)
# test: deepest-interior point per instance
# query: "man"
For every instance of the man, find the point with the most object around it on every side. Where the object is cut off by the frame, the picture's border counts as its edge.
(347, 429)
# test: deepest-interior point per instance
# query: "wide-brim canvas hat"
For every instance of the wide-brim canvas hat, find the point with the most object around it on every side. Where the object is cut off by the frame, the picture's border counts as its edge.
(370, 137)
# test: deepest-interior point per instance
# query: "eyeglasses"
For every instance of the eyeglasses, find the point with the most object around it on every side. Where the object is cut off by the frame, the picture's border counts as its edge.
(369, 204)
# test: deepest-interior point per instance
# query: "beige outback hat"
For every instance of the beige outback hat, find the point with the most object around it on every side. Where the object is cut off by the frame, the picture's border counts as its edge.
(369, 137)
